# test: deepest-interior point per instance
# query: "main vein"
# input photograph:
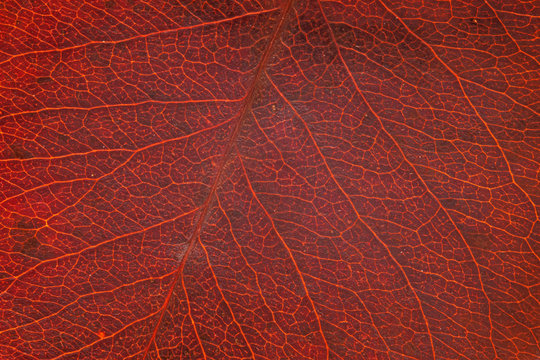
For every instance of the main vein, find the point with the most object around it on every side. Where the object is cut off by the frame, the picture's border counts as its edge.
(242, 115)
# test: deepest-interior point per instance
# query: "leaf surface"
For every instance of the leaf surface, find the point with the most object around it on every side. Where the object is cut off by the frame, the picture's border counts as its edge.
(269, 180)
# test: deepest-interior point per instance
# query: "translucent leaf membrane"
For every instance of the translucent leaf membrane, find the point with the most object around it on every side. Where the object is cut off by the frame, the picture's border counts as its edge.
(269, 180)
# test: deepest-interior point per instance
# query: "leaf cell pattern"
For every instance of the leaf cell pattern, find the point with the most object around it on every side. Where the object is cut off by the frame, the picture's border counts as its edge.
(267, 179)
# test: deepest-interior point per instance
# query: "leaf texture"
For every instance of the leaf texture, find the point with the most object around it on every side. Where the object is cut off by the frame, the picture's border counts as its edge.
(239, 179)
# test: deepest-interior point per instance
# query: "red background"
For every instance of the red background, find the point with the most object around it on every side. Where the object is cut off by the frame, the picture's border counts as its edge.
(265, 180)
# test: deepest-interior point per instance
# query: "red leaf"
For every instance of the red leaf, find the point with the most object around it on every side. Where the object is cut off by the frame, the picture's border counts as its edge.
(255, 179)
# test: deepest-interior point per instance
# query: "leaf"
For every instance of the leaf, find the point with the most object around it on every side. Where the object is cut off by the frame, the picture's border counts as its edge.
(256, 179)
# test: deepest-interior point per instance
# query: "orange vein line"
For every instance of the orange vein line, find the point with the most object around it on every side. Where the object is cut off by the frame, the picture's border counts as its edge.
(91, 247)
(239, 122)
(125, 162)
(103, 106)
(290, 255)
(247, 262)
(225, 300)
(358, 216)
(488, 128)
(427, 188)
(190, 319)
(140, 36)
(495, 12)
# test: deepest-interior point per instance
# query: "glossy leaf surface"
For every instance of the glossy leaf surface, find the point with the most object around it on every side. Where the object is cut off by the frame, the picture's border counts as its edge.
(269, 180)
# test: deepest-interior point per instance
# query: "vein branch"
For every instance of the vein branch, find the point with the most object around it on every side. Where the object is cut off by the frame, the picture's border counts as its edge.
(226, 154)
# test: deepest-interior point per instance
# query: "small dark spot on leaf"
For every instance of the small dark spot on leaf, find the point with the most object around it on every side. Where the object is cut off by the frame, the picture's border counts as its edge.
(62, 138)
(19, 152)
(29, 247)
(23, 224)
(145, 120)
(449, 203)
(479, 241)
(446, 147)
(43, 79)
